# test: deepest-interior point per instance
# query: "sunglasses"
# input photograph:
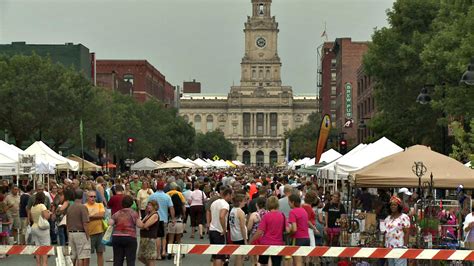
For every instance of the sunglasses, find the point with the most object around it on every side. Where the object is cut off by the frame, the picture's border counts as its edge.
(91, 196)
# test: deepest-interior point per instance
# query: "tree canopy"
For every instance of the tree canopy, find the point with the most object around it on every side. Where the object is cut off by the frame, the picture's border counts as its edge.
(426, 42)
(41, 100)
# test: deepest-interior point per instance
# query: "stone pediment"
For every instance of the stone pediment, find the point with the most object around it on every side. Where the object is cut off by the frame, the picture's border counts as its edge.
(260, 92)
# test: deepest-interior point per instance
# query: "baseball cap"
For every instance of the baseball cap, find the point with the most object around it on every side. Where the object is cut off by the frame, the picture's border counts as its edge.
(405, 191)
(160, 185)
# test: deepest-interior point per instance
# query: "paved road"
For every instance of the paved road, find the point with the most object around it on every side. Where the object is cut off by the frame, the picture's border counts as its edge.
(194, 260)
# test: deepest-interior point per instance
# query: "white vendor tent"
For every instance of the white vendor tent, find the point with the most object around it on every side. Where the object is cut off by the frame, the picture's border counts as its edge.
(328, 171)
(195, 165)
(301, 162)
(468, 164)
(372, 153)
(329, 156)
(42, 150)
(145, 164)
(11, 153)
(8, 166)
(183, 162)
(170, 165)
(202, 163)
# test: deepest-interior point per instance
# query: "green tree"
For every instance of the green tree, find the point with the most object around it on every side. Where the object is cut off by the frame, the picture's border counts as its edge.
(304, 138)
(214, 143)
(463, 147)
(427, 42)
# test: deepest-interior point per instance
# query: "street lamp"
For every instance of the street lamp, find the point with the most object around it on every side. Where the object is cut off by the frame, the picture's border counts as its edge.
(423, 97)
(468, 76)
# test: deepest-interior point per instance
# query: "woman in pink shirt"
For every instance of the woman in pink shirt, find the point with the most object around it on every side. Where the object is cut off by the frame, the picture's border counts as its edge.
(270, 230)
(196, 202)
(298, 225)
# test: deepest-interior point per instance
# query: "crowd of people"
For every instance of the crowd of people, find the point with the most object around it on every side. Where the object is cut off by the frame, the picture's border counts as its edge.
(145, 212)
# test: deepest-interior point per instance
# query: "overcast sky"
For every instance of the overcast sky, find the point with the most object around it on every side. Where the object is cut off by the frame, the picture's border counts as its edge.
(192, 39)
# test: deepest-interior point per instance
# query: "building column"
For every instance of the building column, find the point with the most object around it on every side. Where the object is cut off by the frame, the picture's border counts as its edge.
(254, 124)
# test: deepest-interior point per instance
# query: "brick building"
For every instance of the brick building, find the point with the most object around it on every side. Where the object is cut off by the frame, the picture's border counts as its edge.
(68, 54)
(191, 86)
(327, 81)
(348, 56)
(366, 107)
(135, 77)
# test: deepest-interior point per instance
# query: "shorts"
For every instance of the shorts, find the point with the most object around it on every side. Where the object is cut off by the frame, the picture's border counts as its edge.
(239, 242)
(147, 248)
(217, 238)
(96, 243)
(40, 237)
(197, 214)
(161, 230)
(177, 228)
(16, 223)
(23, 225)
(302, 242)
(80, 246)
(276, 260)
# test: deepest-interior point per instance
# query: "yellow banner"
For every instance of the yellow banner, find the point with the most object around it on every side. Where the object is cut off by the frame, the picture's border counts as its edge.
(323, 137)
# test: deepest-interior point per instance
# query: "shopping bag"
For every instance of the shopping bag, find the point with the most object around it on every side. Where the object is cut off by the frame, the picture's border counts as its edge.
(43, 224)
(28, 235)
(107, 238)
(105, 225)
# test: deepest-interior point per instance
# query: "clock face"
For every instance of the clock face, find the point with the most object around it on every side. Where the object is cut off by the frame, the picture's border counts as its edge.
(261, 42)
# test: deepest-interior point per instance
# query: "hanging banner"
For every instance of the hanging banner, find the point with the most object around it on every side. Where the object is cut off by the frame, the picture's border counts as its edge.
(26, 163)
(348, 88)
(323, 137)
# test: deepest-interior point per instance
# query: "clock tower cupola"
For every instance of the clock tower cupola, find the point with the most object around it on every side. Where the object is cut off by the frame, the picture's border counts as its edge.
(261, 64)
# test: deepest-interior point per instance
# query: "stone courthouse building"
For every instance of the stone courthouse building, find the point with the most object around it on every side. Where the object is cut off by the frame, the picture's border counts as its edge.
(254, 115)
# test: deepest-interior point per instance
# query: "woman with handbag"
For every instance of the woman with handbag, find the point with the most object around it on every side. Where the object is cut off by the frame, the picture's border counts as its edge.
(40, 229)
(197, 200)
(124, 236)
(147, 247)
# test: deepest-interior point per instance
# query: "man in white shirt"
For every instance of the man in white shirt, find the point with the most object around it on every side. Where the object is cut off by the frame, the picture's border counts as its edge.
(218, 225)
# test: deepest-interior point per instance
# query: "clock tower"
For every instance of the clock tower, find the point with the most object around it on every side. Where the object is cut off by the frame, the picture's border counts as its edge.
(261, 64)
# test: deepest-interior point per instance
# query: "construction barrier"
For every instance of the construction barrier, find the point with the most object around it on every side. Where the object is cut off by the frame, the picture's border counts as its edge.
(57, 251)
(339, 252)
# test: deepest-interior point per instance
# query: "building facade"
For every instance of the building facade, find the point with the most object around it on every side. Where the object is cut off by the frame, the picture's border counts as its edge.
(366, 107)
(327, 81)
(348, 60)
(142, 80)
(254, 115)
(68, 54)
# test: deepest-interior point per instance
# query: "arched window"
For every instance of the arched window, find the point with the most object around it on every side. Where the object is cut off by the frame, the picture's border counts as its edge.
(209, 123)
(273, 158)
(260, 158)
(246, 157)
(197, 123)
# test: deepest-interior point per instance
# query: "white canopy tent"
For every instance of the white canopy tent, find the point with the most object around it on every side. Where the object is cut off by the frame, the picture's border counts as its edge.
(328, 171)
(202, 163)
(145, 164)
(41, 150)
(372, 153)
(300, 162)
(12, 153)
(8, 166)
(193, 163)
(329, 156)
(170, 165)
(468, 164)
(183, 162)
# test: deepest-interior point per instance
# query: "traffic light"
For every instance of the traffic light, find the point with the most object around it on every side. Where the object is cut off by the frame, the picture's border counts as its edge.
(130, 142)
(343, 146)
